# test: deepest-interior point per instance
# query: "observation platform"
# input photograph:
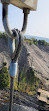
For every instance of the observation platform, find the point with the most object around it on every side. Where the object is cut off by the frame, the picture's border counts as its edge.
(30, 4)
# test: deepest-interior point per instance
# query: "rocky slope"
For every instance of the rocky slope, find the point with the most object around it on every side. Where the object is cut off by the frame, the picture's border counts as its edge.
(39, 60)
(16, 107)
(31, 56)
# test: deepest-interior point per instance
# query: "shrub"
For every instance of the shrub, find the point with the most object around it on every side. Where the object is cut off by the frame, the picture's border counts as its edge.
(4, 63)
(4, 78)
(36, 42)
(4, 36)
(28, 82)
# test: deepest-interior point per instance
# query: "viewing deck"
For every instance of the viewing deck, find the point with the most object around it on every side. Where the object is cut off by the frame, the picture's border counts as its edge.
(31, 4)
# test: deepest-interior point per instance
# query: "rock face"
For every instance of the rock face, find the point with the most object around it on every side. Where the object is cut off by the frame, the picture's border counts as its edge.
(31, 56)
(39, 61)
(16, 107)
(21, 101)
(4, 53)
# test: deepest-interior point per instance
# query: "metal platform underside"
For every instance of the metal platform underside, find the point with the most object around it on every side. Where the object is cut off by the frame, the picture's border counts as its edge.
(31, 4)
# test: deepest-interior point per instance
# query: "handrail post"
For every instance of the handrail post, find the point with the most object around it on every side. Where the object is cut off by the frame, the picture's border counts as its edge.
(15, 51)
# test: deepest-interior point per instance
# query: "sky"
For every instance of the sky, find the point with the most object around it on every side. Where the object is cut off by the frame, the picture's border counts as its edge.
(38, 21)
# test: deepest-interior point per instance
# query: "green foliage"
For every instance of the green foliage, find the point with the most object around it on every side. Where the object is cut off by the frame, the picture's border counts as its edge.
(36, 42)
(28, 81)
(30, 76)
(4, 63)
(42, 42)
(24, 37)
(4, 78)
(32, 79)
(31, 42)
(4, 36)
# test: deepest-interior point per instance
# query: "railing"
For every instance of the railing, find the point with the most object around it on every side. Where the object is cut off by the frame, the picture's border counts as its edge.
(17, 35)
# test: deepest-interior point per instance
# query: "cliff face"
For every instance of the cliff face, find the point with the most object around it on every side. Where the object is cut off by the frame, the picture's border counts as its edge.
(4, 52)
(39, 60)
(31, 56)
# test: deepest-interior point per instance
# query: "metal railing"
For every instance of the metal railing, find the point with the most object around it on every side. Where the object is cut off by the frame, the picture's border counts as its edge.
(14, 49)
